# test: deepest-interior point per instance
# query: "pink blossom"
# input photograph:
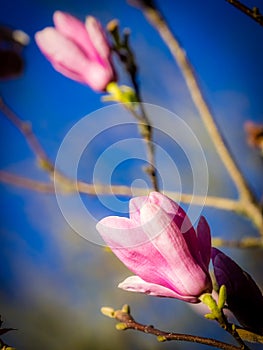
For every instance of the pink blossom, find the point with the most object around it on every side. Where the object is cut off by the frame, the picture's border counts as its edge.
(159, 244)
(77, 50)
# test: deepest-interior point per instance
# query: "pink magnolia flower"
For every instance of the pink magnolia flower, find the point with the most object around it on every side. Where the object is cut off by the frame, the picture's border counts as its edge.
(151, 243)
(77, 50)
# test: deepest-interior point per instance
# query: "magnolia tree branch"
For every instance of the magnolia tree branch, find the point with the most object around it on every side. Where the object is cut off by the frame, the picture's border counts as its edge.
(26, 130)
(122, 48)
(67, 186)
(249, 204)
(128, 322)
(147, 133)
(71, 186)
(253, 13)
(246, 242)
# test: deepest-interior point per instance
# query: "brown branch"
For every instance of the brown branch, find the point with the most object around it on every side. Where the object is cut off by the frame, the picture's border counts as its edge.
(26, 130)
(125, 53)
(247, 200)
(128, 322)
(243, 243)
(252, 13)
(70, 186)
(146, 131)
(29, 184)
(67, 185)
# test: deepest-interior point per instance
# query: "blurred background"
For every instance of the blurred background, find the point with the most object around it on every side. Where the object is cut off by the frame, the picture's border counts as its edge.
(53, 281)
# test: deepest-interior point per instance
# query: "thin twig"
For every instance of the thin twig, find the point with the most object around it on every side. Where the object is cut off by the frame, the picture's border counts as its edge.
(93, 189)
(24, 182)
(145, 129)
(147, 133)
(26, 130)
(69, 186)
(125, 53)
(252, 13)
(246, 197)
(246, 242)
(128, 322)
(99, 189)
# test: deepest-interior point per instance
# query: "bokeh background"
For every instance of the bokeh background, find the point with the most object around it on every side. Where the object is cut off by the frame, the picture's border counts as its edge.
(53, 282)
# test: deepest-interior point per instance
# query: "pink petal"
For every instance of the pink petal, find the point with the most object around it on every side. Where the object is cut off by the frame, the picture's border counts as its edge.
(181, 220)
(60, 50)
(204, 240)
(120, 232)
(69, 60)
(125, 239)
(136, 284)
(186, 276)
(135, 206)
(75, 31)
(98, 37)
(94, 75)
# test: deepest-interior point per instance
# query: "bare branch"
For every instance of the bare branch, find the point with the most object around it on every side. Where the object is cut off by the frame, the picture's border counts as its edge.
(26, 130)
(71, 186)
(128, 322)
(253, 13)
(249, 204)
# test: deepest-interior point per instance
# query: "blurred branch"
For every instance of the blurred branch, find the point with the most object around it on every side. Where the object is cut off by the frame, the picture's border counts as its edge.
(20, 181)
(247, 200)
(98, 189)
(247, 242)
(253, 13)
(26, 130)
(66, 185)
(125, 53)
(128, 322)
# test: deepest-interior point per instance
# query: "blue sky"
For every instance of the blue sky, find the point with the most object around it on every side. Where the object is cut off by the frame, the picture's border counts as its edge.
(47, 270)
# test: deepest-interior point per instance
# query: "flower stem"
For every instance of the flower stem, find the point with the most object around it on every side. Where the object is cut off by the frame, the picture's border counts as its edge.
(218, 315)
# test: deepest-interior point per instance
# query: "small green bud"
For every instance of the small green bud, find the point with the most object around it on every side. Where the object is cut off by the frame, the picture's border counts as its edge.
(107, 249)
(255, 11)
(210, 316)
(121, 326)
(113, 26)
(108, 311)
(161, 338)
(122, 94)
(209, 301)
(45, 165)
(126, 309)
(222, 297)
(113, 29)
